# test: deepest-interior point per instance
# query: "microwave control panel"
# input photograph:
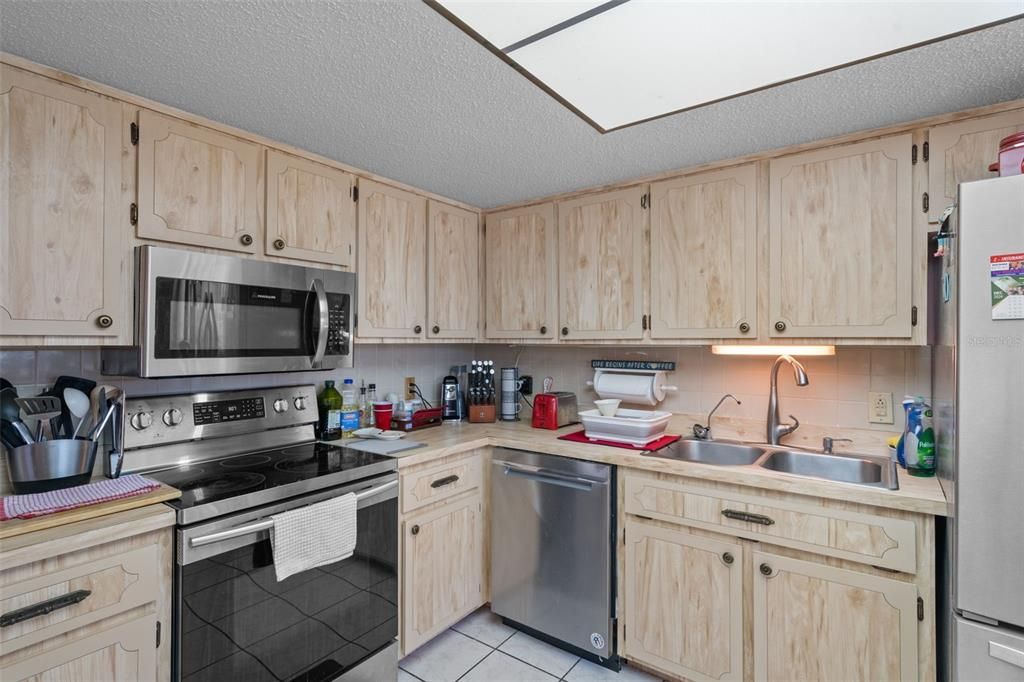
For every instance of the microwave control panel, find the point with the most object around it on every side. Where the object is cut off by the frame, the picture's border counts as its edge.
(339, 329)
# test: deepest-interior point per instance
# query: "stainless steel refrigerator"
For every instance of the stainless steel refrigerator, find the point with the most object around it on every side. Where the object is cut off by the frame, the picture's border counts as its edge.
(978, 396)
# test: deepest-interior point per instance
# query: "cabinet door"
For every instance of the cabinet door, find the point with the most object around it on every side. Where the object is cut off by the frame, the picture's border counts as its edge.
(522, 273)
(196, 186)
(600, 249)
(60, 209)
(962, 151)
(683, 602)
(453, 272)
(310, 211)
(816, 622)
(840, 232)
(704, 255)
(392, 262)
(442, 569)
(124, 653)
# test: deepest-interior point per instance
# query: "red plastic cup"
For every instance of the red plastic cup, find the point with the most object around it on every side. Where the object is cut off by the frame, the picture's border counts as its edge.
(382, 412)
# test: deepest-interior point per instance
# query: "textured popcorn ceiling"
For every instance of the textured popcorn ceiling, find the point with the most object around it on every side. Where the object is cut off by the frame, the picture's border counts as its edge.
(394, 88)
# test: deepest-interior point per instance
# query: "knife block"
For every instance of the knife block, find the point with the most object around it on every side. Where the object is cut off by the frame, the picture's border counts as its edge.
(481, 414)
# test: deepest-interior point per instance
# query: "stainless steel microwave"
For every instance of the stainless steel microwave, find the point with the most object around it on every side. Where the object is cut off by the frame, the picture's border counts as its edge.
(199, 313)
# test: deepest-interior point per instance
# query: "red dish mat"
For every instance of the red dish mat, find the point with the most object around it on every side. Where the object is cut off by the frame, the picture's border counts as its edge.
(581, 437)
(40, 504)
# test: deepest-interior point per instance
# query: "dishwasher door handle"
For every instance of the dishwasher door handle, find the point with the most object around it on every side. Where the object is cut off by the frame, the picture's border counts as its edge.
(539, 475)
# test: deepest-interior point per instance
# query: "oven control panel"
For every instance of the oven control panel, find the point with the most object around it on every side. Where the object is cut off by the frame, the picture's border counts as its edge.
(160, 420)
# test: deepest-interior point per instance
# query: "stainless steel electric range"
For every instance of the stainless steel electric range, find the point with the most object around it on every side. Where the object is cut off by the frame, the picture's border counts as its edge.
(240, 457)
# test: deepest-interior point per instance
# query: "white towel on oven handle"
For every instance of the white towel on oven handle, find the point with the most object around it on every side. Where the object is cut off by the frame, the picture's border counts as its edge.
(314, 535)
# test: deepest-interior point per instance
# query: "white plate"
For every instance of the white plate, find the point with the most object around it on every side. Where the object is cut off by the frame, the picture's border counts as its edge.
(377, 434)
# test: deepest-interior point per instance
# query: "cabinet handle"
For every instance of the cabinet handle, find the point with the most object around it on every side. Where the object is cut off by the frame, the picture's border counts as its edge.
(436, 329)
(246, 239)
(744, 327)
(43, 607)
(104, 321)
(565, 331)
(765, 569)
(747, 516)
(780, 326)
(543, 329)
(415, 530)
(417, 329)
(727, 558)
(441, 482)
(279, 244)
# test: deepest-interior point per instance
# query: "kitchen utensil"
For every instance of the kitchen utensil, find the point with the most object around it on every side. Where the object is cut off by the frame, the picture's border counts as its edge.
(450, 411)
(78, 404)
(636, 427)
(50, 465)
(608, 406)
(10, 436)
(97, 398)
(548, 384)
(44, 408)
(10, 411)
(4, 383)
(115, 456)
(101, 423)
(64, 424)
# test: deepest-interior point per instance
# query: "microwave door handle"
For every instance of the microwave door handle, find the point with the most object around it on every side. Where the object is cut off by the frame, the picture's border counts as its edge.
(320, 320)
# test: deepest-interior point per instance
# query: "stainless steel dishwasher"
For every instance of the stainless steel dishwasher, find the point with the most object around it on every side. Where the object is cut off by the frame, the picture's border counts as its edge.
(552, 549)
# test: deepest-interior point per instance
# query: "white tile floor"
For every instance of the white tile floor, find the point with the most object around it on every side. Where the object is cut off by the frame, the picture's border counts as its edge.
(481, 648)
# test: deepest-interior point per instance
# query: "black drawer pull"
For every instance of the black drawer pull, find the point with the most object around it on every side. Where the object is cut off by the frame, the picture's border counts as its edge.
(747, 516)
(441, 482)
(43, 607)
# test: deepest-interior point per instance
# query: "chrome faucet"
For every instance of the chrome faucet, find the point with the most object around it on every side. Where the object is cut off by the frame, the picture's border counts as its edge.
(701, 432)
(776, 429)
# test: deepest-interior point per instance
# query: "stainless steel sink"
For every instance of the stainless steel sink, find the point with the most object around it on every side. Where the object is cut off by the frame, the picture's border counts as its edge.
(877, 473)
(711, 452)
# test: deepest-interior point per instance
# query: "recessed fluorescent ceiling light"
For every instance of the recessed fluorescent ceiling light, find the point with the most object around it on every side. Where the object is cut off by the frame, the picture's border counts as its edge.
(626, 61)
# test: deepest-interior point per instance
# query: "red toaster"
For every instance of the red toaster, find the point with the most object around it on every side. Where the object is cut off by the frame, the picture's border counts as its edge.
(554, 410)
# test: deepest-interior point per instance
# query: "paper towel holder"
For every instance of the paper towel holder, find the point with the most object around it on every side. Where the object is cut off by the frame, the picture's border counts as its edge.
(650, 389)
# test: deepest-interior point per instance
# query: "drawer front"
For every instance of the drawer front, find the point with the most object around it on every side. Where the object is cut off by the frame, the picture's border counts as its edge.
(426, 486)
(854, 536)
(57, 602)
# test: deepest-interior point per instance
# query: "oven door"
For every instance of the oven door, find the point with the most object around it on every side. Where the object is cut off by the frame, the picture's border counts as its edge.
(209, 314)
(235, 621)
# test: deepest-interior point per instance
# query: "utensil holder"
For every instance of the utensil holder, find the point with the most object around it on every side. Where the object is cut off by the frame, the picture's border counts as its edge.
(51, 465)
(482, 414)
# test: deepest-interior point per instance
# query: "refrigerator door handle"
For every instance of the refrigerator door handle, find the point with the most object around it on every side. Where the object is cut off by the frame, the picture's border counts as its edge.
(1006, 654)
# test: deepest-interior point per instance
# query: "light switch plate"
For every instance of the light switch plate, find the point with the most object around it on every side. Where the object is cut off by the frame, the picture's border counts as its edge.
(880, 408)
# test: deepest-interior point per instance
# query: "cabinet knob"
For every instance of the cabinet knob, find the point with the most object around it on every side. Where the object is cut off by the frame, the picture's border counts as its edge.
(780, 326)
(417, 329)
(279, 244)
(565, 331)
(543, 329)
(435, 329)
(728, 558)
(766, 569)
(104, 321)
(415, 530)
(246, 239)
(744, 327)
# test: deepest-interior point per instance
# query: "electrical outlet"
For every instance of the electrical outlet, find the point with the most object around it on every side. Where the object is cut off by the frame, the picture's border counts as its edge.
(526, 385)
(409, 392)
(880, 408)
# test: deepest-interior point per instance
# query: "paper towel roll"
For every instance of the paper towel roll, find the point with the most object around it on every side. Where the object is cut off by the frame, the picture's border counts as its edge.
(638, 389)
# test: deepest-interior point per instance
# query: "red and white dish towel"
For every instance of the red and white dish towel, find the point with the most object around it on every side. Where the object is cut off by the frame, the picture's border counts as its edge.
(41, 504)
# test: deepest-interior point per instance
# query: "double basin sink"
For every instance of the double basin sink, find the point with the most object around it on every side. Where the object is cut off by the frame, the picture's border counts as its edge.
(876, 473)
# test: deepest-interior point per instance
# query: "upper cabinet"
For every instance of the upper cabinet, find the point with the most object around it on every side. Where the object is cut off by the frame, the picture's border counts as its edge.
(840, 241)
(453, 272)
(522, 273)
(196, 185)
(311, 214)
(61, 209)
(392, 266)
(704, 255)
(600, 256)
(961, 152)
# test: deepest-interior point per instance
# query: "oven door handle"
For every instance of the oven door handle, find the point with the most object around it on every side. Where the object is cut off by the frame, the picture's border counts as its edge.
(267, 524)
(321, 321)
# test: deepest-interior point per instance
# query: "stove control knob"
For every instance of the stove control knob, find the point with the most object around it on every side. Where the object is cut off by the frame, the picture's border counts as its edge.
(300, 403)
(172, 417)
(280, 405)
(141, 420)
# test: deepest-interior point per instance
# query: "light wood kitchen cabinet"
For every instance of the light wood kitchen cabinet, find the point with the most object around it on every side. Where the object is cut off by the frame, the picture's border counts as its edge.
(704, 255)
(683, 602)
(442, 568)
(817, 622)
(197, 186)
(962, 151)
(600, 256)
(391, 262)
(522, 273)
(311, 214)
(840, 231)
(62, 210)
(453, 272)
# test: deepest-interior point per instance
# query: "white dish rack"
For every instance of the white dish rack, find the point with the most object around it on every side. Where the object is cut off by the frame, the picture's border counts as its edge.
(633, 427)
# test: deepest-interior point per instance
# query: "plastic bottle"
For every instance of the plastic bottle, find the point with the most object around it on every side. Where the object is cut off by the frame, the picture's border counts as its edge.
(364, 408)
(349, 409)
(909, 424)
(921, 462)
(329, 404)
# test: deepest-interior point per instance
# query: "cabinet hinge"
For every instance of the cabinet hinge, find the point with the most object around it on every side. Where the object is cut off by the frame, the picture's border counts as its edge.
(920, 608)
(924, 152)
(133, 214)
(913, 154)
(158, 634)
(924, 202)
(355, 193)
(134, 132)
(913, 316)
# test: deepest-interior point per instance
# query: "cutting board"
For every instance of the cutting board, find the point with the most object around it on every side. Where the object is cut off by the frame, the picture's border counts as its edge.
(384, 447)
